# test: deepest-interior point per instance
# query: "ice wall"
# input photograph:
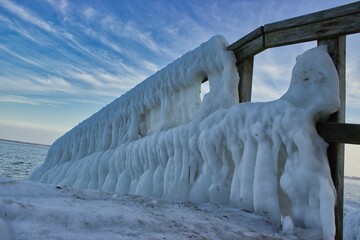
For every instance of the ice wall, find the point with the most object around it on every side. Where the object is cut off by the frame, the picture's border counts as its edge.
(160, 140)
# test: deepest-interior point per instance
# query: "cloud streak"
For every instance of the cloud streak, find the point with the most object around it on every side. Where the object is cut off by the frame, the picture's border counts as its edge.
(26, 15)
(28, 101)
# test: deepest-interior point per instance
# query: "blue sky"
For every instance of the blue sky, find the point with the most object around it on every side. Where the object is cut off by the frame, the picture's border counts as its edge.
(61, 61)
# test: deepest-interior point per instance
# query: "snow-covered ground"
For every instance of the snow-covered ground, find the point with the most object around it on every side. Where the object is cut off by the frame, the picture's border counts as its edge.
(32, 210)
(351, 219)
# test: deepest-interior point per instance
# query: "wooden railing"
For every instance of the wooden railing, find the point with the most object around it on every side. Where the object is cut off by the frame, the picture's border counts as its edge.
(330, 28)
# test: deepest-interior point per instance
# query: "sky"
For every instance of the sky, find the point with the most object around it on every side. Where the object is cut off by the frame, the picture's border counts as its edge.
(61, 61)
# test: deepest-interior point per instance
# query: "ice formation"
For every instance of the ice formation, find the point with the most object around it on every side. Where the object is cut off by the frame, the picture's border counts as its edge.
(352, 225)
(160, 140)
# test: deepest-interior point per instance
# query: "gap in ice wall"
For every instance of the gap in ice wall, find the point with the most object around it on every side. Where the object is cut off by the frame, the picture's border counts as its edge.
(160, 140)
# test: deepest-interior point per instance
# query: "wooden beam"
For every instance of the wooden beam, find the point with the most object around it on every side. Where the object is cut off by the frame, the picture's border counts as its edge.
(337, 50)
(333, 132)
(246, 39)
(248, 46)
(325, 29)
(328, 14)
(325, 24)
(245, 70)
(250, 49)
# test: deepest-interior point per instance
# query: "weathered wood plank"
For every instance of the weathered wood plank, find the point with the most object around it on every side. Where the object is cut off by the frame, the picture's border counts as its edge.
(319, 30)
(314, 17)
(245, 70)
(329, 23)
(333, 132)
(337, 51)
(246, 39)
(250, 49)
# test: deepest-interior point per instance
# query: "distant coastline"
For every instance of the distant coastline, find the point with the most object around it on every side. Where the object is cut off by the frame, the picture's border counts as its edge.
(352, 177)
(20, 142)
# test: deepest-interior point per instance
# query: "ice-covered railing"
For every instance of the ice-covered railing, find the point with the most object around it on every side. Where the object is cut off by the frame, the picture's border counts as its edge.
(169, 98)
(262, 157)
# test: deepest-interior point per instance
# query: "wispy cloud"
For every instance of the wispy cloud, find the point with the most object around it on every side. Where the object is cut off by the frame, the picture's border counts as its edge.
(26, 15)
(70, 82)
(30, 61)
(36, 84)
(85, 77)
(89, 13)
(60, 5)
(28, 100)
(20, 29)
(71, 37)
(131, 31)
(21, 124)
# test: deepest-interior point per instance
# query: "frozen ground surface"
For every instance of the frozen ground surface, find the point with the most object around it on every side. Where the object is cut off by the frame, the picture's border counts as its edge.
(32, 210)
(351, 219)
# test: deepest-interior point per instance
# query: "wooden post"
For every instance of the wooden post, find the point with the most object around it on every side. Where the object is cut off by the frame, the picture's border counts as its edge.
(245, 70)
(337, 51)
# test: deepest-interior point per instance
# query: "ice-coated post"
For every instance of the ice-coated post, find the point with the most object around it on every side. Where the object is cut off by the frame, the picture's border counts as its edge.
(337, 51)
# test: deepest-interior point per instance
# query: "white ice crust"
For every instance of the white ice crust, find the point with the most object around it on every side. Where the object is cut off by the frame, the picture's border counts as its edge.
(160, 140)
(351, 219)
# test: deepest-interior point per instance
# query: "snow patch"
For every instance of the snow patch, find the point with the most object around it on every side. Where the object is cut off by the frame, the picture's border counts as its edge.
(41, 211)
(351, 219)
(352, 225)
(5, 230)
(287, 226)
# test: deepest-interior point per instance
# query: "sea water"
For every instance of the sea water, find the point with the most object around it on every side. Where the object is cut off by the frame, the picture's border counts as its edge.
(352, 189)
(19, 160)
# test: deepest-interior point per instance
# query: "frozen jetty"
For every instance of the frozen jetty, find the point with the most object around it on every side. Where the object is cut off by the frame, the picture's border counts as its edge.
(160, 140)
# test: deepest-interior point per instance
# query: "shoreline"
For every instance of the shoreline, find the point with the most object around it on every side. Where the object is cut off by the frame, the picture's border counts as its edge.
(352, 178)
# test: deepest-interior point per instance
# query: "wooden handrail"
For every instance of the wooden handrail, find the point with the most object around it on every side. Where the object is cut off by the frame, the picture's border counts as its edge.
(328, 14)
(343, 20)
